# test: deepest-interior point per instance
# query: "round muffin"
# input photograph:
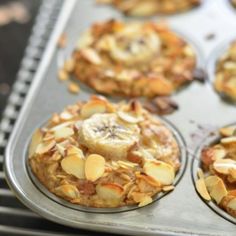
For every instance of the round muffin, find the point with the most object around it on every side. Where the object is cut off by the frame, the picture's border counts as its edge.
(100, 154)
(218, 183)
(225, 81)
(133, 59)
(233, 2)
(152, 7)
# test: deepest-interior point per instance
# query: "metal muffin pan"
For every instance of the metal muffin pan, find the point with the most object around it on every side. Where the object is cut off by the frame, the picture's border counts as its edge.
(180, 212)
(212, 138)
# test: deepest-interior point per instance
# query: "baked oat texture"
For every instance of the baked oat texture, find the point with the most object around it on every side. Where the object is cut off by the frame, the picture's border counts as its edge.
(133, 59)
(151, 7)
(225, 81)
(100, 154)
(218, 182)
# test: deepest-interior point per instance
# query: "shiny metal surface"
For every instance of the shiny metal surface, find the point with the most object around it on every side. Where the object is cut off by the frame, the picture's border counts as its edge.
(181, 212)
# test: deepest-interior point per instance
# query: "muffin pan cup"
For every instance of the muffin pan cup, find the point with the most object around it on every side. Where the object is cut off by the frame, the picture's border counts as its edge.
(181, 212)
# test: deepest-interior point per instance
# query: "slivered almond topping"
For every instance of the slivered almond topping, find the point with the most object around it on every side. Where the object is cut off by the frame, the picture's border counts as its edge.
(63, 75)
(145, 201)
(218, 191)
(73, 150)
(211, 181)
(150, 180)
(69, 65)
(200, 173)
(92, 107)
(63, 133)
(68, 190)
(74, 165)
(160, 171)
(45, 147)
(110, 191)
(35, 141)
(92, 56)
(94, 167)
(229, 140)
(224, 165)
(228, 131)
(232, 204)
(168, 188)
(129, 118)
(202, 190)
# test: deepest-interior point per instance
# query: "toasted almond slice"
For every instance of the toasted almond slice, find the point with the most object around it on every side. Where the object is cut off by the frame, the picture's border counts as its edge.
(67, 190)
(74, 165)
(224, 165)
(35, 141)
(218, 191)
(69, 65)
(160, 171)
(127, 164)
(45, 147)
(148, 179)
(63, 133)
(211, 181)
(129, 118)
(145, 201)
(73, 150)
(232, 204)
(93, 107)
(168, 188)
(202, 190)
(63, 75)
(65, 115)
(110, 191)
(200, 173)
(62, 125)
(228, 131)
(92, 56)
(94, 167)
(228, 140)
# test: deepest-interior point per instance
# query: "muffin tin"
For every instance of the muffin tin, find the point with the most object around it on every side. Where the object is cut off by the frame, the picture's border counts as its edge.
(181, 212)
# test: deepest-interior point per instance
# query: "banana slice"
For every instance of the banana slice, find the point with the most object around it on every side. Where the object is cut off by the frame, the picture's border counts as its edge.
(132, 45)
(106, 135)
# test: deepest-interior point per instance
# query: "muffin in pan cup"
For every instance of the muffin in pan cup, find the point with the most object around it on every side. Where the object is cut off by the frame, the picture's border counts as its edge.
(151, 7)
(101, 154)
(133, 59)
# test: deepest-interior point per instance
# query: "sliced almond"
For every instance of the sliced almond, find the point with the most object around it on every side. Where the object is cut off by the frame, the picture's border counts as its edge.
(73, 150)
(224, 165)
(200, 173)
(228, 131)
(92, 56)
(202, 190)
(35, 141)
(129, 118)
(127, 164)
(68, 190)
(94, 167)
(228, 140)
(216, 188)
(63, 133)
(74, 165)
(168, 188)
(62, 125)
(211, 181)
(93, 107)
(148, 179)
(45, 147)
(110, 191)
(73, 88)
(232, 204)
(145, 201)
(160, 171)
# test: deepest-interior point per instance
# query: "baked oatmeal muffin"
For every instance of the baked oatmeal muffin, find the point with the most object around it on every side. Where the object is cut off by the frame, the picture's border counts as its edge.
(218, 182)
(133, 59)
(151, 7)
(233, 2)
(225, 81)
(101, 154)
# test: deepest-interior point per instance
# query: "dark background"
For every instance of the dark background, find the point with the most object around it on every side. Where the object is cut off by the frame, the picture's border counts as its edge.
(13, 40)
